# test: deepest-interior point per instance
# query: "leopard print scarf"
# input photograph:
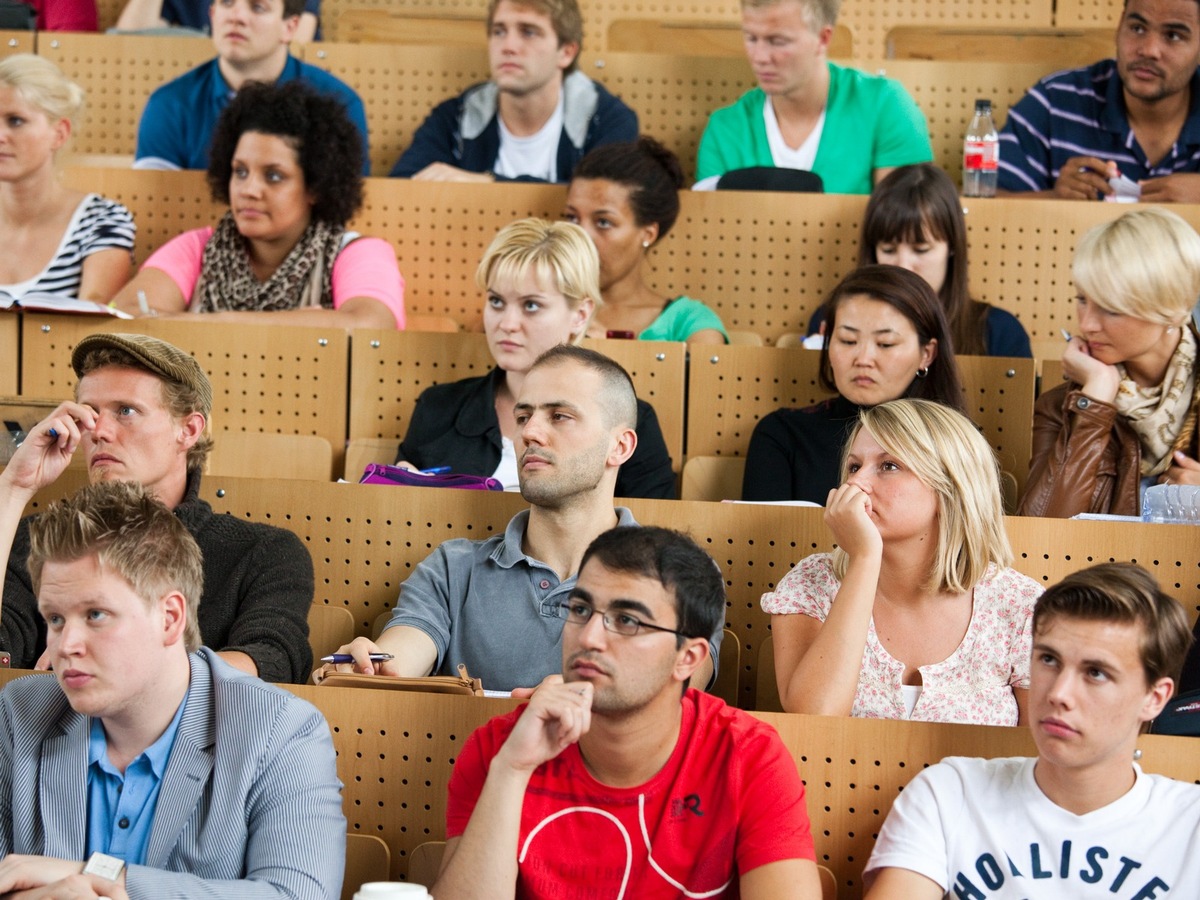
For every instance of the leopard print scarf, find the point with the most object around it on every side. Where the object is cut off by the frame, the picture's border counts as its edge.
(304, 278)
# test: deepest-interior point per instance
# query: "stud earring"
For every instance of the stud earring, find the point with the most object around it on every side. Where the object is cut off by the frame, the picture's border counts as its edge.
(645, 245)
(1137, 754)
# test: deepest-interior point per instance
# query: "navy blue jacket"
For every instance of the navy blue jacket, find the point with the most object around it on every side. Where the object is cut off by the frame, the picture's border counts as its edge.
(465, 130)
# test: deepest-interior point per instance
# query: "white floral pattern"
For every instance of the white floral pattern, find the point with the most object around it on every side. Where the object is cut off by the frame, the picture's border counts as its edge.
(972, 685)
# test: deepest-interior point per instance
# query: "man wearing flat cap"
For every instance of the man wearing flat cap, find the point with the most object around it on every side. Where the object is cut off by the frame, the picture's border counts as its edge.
(141, 413)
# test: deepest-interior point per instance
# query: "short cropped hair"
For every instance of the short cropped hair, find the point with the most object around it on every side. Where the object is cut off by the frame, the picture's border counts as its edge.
(42, 84)
(618, 396)
(132, 534)
(1126, 594)
(676, 562)
(565, 18)
(945, 450)
(180, 399)
(650, 172)
(819, 12)
(292, 8)
(559, 254)
(1145, 264)
(911, 296)
(328, 145)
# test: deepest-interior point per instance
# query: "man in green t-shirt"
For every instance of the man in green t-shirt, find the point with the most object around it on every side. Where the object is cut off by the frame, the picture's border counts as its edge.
(807, 113)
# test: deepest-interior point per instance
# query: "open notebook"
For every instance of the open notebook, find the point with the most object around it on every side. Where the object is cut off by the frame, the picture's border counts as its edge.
(54, 303)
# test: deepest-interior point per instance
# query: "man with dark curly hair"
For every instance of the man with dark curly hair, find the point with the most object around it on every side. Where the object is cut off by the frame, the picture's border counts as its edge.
(252, 39)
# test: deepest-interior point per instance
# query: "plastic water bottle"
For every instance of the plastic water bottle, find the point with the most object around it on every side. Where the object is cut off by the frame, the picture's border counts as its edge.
(981, 153)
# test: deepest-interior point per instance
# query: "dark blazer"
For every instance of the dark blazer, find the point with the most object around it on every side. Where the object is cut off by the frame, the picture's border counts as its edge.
(455, 425)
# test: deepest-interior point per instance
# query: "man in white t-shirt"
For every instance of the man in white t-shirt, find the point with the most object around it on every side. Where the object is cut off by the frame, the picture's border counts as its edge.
(1081, 820)
(536, 117)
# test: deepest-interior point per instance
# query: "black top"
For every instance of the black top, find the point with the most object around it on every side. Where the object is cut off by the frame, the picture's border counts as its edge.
(796, 454)
(258, 588)
(455, 425)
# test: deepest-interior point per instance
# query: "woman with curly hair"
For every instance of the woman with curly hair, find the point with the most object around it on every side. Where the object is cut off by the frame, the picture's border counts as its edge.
(286, 159)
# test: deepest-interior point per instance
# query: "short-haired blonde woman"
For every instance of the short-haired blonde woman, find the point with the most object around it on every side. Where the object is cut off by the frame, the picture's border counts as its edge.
(1126, 418)
(542, 281)
(916, 615)
(56, 240)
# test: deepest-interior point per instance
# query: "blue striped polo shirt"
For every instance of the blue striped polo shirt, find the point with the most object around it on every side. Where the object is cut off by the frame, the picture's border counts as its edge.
(1081, 112)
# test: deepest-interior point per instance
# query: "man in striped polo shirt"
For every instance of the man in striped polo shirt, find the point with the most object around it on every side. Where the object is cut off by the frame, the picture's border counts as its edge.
(1136, 117)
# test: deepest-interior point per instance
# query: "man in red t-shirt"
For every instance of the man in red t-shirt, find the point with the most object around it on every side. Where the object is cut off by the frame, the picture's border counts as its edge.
(616, 780)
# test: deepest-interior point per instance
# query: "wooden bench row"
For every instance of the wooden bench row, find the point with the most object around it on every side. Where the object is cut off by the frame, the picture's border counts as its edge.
(365, 540)
(278, 380)
(395, 753)
(764, 262)
(673, 94)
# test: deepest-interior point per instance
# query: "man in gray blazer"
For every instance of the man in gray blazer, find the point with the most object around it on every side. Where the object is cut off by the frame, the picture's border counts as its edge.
(146, 766)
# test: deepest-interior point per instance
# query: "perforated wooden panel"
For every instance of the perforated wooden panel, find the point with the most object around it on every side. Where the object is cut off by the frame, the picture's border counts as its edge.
(364, 539)
(118, 74)
(271, 378)
(672, 95)
(1061, 47)
(10, 354)
(163, 204)
(440, 231)
(946, 93)
(17, 42)
(389, 369)
(399, 86)
(731, 388)
(699, 38)
(868, 21)
(1097, 13)
(395, 753)
(999, 396)
(1021, 256)
(765, 262)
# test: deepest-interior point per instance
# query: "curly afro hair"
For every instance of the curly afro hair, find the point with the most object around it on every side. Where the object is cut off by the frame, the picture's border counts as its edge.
(327, 143)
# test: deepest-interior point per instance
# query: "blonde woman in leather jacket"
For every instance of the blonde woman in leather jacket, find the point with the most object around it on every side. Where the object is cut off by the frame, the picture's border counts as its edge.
(1126, 417)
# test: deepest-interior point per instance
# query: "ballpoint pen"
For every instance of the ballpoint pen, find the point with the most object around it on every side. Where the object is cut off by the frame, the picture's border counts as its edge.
(347, 658)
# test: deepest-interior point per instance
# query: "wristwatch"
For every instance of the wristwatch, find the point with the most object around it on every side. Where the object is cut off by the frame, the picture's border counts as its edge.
(104, 866)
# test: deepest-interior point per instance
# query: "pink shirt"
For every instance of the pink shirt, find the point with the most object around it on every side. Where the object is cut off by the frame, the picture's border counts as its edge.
(973, 685)
(365, 267)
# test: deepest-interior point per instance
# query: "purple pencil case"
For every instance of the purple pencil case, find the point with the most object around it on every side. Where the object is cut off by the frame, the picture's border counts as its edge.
(379, 473)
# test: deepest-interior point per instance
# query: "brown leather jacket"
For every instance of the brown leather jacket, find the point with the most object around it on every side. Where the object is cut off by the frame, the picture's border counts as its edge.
(1086, 458)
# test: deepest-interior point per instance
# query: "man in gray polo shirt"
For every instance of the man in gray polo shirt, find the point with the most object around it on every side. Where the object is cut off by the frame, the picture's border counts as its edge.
(492, 604)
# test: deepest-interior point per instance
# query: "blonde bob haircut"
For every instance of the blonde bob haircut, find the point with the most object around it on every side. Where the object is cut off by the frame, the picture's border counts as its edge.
(947, 453)
(133, 535)
(42, 84)
(559, 254)
(1145, 264)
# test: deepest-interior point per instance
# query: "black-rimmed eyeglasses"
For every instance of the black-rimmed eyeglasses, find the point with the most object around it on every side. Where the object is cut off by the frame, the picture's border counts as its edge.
(576, 612)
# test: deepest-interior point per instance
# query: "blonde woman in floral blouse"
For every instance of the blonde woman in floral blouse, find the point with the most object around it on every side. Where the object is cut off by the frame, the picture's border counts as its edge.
(917, 614)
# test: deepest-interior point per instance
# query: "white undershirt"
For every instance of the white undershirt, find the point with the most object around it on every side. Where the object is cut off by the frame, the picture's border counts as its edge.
(911, 694)
(506, 472)
(536, 155)
(784, 156)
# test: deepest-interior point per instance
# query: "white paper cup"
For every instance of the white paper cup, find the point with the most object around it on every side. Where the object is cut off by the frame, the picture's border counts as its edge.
(392, 890)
